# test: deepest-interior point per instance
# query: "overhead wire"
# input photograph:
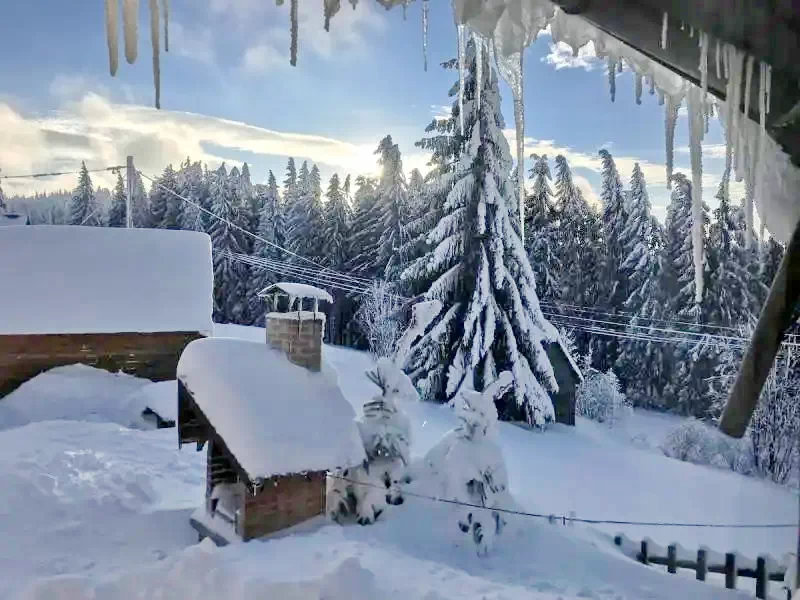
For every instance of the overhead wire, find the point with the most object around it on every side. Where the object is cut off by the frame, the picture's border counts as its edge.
(57, 173)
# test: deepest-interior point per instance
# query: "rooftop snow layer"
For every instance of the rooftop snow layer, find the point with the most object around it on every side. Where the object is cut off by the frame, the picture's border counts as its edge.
(275, 417)
(298, 290)
(69, 279)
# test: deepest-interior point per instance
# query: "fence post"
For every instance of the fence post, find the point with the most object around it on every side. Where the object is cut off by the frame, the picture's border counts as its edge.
(702, 565)
(643, 553)
(761, 578)
(672, 558)
(730, 571)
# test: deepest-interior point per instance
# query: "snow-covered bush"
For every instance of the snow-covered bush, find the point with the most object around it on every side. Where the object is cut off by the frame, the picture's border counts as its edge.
(691, 441)
(377, 318)
(600, 398)
(386, 433)
(467, 465)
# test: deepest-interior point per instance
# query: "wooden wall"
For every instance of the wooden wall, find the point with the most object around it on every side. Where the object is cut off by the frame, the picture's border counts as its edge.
(283, 502)
(151, 355)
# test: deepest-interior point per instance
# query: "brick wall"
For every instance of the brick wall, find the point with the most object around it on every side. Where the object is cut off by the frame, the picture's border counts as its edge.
(151, 355)
(301, 340)
(283, 502)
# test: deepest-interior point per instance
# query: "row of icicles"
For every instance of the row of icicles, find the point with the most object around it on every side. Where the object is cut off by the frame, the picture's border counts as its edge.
(743, 149)
(130, 26)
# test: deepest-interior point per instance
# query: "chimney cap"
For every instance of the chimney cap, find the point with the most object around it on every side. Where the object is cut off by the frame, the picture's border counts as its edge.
(295, 290)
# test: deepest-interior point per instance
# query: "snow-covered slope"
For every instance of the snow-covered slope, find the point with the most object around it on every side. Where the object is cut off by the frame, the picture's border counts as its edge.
(96, 510)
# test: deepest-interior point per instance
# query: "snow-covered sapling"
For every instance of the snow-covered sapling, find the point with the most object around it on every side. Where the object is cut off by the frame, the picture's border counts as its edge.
(469, 465)
(385, 431)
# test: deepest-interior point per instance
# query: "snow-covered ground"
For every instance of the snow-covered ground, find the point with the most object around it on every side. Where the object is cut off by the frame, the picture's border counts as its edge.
(91, 508)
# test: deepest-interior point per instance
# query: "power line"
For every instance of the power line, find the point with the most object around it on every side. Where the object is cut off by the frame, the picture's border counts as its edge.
(57, 173)
(565, 518)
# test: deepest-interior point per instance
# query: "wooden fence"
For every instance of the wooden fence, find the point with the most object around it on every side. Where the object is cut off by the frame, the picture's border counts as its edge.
(764, 569)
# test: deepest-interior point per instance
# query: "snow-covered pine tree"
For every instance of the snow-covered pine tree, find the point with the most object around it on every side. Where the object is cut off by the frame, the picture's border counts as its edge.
(365, 229)
(3, 205)
(688, 391)
(393, 202)
(579, 246)
(117, 211)
(467, 465)
(641, 364)
(541, 230)
(225, 239)
(164, 212)
(193, 185)
(83, 207)
(140, 204)
(271, 229)
(615, 290)
(304, 216)
(491, 320)
(335, 252)
(728, 294)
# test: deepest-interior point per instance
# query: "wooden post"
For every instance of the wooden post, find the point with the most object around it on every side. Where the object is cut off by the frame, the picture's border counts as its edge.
(774, 320)
(130, 175)
(672, 558)
(761, 578)
(643, 553)
(702, 565)
(730, 571)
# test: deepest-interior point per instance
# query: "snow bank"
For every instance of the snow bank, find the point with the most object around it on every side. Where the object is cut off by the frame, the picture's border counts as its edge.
(274, 416)
(161, 398)
(73, 392)
(68, 279)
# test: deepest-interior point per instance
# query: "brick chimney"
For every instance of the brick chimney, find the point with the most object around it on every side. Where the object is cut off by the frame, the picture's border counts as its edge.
(299, 335)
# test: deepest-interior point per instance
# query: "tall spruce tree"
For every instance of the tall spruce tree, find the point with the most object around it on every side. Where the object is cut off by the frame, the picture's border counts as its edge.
(118, 209)
(228, 274)
(165, 207)
(193, 185)
(305, 218)
(393, 203)
(490, 319)
(541, 230)
(140, 204)
(83, 207)
(335, 251)
(271, 229)
(365, 229)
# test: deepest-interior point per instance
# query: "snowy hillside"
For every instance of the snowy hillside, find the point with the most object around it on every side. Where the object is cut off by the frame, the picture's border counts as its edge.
(90, 508)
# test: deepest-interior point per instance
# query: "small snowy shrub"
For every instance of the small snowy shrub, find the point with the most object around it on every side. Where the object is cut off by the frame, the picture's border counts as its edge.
(600, 399)
(467, 465)
(386, 433)
(691, 441)
(377, 318)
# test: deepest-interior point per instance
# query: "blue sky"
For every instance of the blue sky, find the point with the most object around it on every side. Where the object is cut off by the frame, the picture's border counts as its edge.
(228, 66)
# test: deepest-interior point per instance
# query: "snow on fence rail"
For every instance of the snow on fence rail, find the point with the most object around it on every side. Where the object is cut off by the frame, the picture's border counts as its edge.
(763, 569)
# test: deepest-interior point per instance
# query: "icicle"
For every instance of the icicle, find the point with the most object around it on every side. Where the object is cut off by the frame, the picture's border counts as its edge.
(638, 87)
(660, 98)
(166, 25)
(405, 11)
(330, 7)
(425, 33)
(651, 81)
(691, 31)
(293, 30)
(664, 26)
(612, 78)
(154, 31)
(736, 64)
(619, 66)
(762, 105)
(478, 41)
(682, 25)
(354, 3)
(716, 59)
(695, 102)
(748, 84)
(768, 87)
(704, 65)
(726, 62)
(112, 36)
(462, 72)
(671, 118)
(510, 68)
(130, 23)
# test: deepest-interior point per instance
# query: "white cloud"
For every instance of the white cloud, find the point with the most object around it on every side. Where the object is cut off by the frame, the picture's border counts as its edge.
(102, 133)
(561, 56)
(263, 58)
(709, 150)
(441, 112)
(195, 43)
(587, 190)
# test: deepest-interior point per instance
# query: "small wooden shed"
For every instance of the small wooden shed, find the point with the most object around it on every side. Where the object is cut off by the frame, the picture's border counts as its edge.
(568, 377)
(272, 430)
(118, 299)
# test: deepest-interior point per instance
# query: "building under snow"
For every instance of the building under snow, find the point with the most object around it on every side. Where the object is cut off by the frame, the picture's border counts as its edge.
(273, 420)
(118, 299)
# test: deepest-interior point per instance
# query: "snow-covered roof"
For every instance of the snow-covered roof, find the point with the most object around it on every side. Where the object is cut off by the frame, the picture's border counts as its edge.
(297, 290)
(12, 219)
(275, 417)
(69, 279)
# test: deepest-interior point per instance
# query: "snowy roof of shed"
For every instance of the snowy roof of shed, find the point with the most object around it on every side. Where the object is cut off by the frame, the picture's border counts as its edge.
(70, 279)
(275, 417)
(297, 290)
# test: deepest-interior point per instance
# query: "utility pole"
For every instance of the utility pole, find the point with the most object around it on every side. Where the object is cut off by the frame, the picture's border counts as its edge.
(131, 177)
